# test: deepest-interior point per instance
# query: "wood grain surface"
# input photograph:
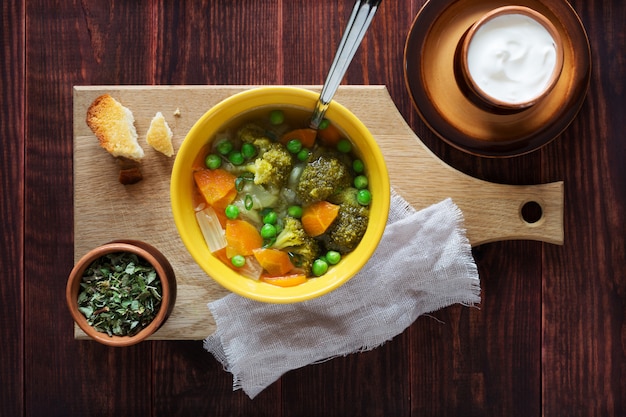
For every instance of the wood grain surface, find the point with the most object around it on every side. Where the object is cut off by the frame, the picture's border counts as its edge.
(547, 339)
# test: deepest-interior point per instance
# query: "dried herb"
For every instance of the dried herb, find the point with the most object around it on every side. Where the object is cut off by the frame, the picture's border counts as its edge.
(120, 294)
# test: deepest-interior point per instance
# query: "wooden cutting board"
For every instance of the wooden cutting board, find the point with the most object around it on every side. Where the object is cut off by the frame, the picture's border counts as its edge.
(105, 210)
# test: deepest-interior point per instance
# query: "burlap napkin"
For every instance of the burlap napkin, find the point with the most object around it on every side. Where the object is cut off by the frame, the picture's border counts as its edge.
(423, 263)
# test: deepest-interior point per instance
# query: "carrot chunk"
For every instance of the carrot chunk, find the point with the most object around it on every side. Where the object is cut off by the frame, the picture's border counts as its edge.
(274, 261)
(242, 238)
(285, 280)
(306, 136)
(221, 204)
(216, 185)
(221, 255)
(317, 217)
(330, 135)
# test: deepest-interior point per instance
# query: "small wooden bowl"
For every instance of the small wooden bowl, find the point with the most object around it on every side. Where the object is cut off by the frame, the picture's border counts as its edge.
(479, 96)
(164, 271)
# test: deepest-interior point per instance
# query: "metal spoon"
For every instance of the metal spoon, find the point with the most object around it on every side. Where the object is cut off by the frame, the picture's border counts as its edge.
(361, 17)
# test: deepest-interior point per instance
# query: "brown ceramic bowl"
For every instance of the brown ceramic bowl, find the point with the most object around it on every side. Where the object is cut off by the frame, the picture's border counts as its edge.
(495, 16)
(149, 253)
(431, 79)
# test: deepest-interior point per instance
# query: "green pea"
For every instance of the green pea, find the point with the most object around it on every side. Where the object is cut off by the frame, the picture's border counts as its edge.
(231, 211)
(361, 182)
(324, 124)
(236, 158)
(295, 211)
(344, 146)
(238, 261)
(248, 150)
(358, 166)
(333, 257)
(364, 197)
(268, 231)
(213, 161)
(320, 267)
(277, 117)
(225, 147)
(294, 146)
(303, 155)
(270, 218)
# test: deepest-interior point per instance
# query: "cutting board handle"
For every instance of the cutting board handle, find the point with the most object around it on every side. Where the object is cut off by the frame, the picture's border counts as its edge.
(507, 212)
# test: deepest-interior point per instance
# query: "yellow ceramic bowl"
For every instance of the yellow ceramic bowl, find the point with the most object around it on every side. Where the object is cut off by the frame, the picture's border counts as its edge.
(182, 186)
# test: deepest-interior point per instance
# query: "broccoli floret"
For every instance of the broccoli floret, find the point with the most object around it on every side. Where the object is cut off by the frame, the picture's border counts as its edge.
(292, 234)
(302, 248)
(346, 231)
(303, 256)
(350, 225)
(321, 178)
(250, 133)
(331, 152)
(348, 198)
(272, 166)
(263, 144)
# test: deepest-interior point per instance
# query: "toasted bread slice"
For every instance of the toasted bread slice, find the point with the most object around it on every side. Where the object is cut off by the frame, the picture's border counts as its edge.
(160, 135)
(114, 126)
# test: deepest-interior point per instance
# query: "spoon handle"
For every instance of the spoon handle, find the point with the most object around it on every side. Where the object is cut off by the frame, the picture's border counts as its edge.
(361, 17)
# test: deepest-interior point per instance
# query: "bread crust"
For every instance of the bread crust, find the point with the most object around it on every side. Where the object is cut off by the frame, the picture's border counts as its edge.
(114, 126)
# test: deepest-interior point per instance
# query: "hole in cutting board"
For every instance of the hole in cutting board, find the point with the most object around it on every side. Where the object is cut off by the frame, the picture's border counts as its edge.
(532, 212)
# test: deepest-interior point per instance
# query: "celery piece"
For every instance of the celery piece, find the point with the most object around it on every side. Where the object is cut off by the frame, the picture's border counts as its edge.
(214, 234)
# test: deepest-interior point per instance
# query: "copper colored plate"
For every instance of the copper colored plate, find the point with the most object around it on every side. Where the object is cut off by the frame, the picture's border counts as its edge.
(429, 75)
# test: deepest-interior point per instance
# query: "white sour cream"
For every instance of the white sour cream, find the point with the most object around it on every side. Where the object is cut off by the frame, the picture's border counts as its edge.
(511, 58)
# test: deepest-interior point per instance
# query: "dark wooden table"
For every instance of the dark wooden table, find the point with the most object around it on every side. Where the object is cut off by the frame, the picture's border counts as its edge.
(550, 335)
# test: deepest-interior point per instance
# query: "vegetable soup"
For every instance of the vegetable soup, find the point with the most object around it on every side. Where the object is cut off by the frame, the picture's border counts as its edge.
(277, 201)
